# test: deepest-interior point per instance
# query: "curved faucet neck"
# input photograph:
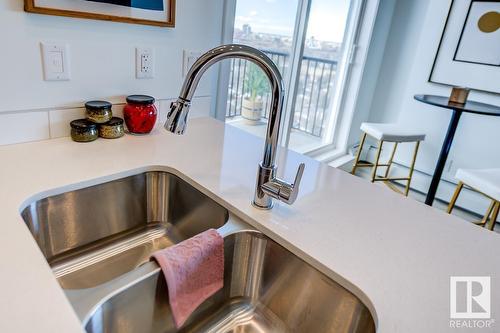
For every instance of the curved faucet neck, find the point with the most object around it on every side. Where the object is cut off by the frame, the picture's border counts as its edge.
(177, 117)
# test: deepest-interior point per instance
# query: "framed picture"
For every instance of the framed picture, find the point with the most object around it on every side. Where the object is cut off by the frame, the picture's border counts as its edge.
(150, 12)
(468, 54)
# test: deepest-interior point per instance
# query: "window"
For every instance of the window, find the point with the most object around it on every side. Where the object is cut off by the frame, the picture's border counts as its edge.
(262, 24)
(313, 104)
(307, 41)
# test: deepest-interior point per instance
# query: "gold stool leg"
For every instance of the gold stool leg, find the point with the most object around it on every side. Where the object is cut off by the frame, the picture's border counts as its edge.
(358, 155)
(454, 198)
(389, 164)
(375, 165)
(494, 216)
(487, 215)
(412, 168)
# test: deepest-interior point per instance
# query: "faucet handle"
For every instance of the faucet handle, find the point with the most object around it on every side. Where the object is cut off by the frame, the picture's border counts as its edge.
(298, 176)
(283, 191)
(289, 193)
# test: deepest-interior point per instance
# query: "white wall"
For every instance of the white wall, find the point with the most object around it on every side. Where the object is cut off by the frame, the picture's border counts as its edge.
(102, 58)
(409, 53)
(372, 68)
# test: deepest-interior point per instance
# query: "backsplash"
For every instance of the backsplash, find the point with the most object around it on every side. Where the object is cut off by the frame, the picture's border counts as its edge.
(36, 125)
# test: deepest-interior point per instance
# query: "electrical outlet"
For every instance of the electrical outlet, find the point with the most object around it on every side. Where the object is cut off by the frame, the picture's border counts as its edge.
(144, 63)
(190, 58)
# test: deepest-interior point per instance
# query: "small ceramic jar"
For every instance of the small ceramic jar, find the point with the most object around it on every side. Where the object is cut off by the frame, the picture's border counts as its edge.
(113, 129)
(459, 95)
(83, 130)
(140, 114)
(99, 112)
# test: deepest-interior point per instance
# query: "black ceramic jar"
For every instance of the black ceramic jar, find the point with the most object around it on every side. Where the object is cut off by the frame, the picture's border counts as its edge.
(99, 112)
(113, 129)
(83, 130)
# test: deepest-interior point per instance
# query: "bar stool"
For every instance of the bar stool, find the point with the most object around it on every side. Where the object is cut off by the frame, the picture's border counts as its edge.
(383, 133)
(486, 182)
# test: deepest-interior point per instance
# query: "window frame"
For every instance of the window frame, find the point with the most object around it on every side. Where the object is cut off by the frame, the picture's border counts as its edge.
(359, 28)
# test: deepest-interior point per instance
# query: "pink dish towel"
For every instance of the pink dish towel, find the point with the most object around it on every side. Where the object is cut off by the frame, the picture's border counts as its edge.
(194, 271)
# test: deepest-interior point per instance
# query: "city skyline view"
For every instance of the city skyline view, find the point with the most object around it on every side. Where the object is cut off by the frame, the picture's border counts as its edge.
(326, 23)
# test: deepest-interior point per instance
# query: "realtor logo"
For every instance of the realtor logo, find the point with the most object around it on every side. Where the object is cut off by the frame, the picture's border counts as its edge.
(470, 297)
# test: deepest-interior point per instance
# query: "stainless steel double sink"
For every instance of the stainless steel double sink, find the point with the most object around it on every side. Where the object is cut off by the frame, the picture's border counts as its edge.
(98, 241)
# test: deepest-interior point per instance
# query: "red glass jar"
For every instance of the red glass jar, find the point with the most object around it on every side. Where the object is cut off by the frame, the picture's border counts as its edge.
(140, 114)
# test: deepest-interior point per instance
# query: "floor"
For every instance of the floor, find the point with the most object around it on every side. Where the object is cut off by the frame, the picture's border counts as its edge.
(419, 196)
(299, 141)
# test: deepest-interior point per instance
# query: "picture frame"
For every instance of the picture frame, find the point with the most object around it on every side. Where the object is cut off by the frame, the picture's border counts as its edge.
(148, 12)
(467, 56)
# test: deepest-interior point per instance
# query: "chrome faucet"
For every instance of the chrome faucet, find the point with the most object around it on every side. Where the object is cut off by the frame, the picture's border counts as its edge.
(267, 186)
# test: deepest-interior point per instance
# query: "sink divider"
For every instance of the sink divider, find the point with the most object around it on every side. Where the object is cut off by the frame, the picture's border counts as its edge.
(86, 301)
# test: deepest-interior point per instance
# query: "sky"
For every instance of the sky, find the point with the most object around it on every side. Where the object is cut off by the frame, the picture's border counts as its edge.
(327, 18)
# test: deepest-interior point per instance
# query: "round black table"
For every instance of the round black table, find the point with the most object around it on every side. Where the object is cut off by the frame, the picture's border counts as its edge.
(457, 110)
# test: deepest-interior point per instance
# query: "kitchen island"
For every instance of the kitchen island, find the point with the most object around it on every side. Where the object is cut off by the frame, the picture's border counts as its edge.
(392, 252)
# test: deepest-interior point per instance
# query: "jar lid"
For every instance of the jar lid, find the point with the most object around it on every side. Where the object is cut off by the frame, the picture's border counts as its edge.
(115, 121)
(82, 124)
(140, 99)
(98, 105)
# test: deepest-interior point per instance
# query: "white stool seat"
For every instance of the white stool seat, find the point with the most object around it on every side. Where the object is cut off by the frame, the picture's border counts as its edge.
(486, 181)
(391, 132)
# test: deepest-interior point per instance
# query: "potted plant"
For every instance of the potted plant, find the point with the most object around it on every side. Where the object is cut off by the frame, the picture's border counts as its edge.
(255, 86)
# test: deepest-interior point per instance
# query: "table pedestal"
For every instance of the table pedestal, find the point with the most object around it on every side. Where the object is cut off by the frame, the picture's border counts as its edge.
(443, 156)
(443, 102)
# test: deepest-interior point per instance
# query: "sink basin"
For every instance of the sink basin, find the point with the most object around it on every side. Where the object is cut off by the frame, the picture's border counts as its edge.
(99, 240)
(266, 289)
(92, 235)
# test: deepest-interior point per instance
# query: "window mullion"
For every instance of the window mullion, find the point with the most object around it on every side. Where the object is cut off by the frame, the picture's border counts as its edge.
(219, 104)
(293, 76)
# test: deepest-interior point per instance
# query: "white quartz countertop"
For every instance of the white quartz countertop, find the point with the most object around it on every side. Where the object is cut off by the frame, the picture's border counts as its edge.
(395, 254)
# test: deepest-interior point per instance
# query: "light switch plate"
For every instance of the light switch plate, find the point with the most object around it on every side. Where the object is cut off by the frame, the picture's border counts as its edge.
(55, 59)
(190, 58)
(144, 62)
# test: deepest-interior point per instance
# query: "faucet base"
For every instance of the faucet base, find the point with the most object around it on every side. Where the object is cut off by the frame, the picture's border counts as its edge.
(261, 207)
(261, 199)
